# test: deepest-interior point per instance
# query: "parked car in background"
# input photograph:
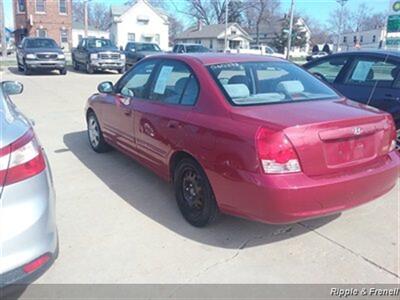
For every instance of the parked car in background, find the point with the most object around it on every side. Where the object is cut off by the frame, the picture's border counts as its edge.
(28, 229)
(316, 55)
(190, 48)
(252, 136)
(35, 54)
(135, 51)
(368, 77)
(262, 50)
(101, 54)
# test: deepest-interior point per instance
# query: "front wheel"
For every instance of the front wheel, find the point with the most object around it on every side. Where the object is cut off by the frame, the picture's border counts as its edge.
(95, 135)
(122, 70)
(194, 195)
(63, 71)
(75, 65)
(89, 69)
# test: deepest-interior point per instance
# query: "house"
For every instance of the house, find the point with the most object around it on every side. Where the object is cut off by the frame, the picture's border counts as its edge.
(268, 33)
(78, 32)
(139, 22)
(43, 18)
(365, 40)
(213, 36)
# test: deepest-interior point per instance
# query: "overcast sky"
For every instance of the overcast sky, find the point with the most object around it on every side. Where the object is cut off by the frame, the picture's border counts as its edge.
(316, 9)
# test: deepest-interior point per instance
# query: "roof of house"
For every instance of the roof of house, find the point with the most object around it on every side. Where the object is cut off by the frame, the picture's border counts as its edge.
(208, 31)
(277, 26)
(119, 10)
(79, 25)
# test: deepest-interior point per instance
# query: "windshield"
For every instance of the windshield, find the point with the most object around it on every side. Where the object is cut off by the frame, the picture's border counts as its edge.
(195, 48)
(268, 82)
(41, 43)
(145, 47)
(99, 43)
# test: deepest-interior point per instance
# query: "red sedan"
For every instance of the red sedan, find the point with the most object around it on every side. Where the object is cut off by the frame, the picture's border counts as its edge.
(256, 137)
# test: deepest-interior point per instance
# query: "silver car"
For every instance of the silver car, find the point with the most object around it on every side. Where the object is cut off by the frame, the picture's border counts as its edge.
(28, 234)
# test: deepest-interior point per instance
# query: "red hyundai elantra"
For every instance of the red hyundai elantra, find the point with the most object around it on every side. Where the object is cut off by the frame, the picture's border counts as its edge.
(252, 136)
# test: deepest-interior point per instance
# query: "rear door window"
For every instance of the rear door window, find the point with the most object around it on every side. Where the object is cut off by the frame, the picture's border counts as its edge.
(373, 72)
(174, 84)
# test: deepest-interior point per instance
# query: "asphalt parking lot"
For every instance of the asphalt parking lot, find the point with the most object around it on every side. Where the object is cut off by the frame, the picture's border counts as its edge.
(118, 222)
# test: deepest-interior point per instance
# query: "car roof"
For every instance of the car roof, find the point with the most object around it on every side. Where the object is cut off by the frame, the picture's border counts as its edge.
(37, 38)
(370, 52)
(211, 58)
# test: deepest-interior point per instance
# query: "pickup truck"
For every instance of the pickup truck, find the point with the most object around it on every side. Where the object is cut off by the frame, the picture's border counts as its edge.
(98, 54)
(40, 54)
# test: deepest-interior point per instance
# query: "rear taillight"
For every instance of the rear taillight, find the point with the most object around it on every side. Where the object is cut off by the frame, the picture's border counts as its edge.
(21, 160)
(393, 134)
(276, 153)
(36, 264)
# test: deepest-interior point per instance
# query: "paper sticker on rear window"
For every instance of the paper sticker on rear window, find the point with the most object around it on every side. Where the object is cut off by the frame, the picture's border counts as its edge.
(362, 71)
(162, 79)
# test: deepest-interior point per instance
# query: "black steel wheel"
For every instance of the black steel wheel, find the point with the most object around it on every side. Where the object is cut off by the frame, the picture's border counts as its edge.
(194, 195)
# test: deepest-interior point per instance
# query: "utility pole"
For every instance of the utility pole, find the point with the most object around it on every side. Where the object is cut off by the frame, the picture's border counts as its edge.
(3, 31)
(342, 3)
(85, 8)
(226, 24)
(289, 44)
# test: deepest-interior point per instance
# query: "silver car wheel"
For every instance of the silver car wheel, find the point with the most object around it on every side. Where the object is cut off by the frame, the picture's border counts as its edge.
(94, 132)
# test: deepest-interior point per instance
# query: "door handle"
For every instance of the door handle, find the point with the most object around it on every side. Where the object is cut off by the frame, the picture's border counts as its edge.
(391, 97)
(174, 124)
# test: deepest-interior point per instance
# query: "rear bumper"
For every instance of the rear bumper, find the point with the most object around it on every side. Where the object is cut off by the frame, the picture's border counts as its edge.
(45, 64)
(281, 199)
(28, 228)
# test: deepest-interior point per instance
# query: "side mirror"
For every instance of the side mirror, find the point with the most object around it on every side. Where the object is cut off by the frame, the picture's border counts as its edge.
(12, 87)
(62, 47)
(105, 87)
(19, 46)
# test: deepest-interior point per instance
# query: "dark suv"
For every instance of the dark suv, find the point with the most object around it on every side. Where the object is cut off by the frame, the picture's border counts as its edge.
(40, 54)
(98, 54)
(136, 51)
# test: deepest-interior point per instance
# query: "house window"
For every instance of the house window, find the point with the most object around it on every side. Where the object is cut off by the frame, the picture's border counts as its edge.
(355, 39)
(21, 6)
(40, 6)
(157, 38)
(131, 37)
(64, 36)
(361, 39)
(62, 6)
(233, 31)
(197, 41)
(41, 32)
(345, 39)
(374, 38)
(211, 44)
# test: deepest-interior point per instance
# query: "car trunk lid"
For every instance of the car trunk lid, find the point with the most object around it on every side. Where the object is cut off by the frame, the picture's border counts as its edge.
(328, 136)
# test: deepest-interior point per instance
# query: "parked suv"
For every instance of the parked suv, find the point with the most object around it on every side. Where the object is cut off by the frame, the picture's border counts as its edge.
(98, 54)
(190, 48)
(40, 54)
(28, 236)
(134, 51)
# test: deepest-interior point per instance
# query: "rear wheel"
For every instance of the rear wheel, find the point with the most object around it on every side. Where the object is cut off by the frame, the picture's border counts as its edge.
(194, 195)
(95, 135)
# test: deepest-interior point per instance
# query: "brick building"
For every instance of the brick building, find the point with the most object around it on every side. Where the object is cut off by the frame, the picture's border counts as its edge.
(44, 18)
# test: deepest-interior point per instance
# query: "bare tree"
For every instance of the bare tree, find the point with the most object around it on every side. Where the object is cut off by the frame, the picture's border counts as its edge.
(98, 14)
(360, 16)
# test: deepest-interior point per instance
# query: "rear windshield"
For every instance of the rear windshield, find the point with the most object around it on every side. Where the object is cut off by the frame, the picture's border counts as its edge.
(99, 43)
(41, 43)
(253, 83)
(195, 48)
(145, 47)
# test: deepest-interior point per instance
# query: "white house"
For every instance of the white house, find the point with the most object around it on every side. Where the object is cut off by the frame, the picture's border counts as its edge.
(139, 22)
(78, 32)
(213, 36)
(365, 40)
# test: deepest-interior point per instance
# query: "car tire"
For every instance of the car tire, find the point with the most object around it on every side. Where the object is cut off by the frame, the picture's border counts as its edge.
(398, 140)
(89, 69)
(122, 70)
(63, 71)
(27, 71)
(194, 194)
(95, 135)
(75, 65)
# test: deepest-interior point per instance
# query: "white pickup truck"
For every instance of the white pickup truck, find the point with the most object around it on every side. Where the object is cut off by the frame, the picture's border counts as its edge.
(260, 50)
